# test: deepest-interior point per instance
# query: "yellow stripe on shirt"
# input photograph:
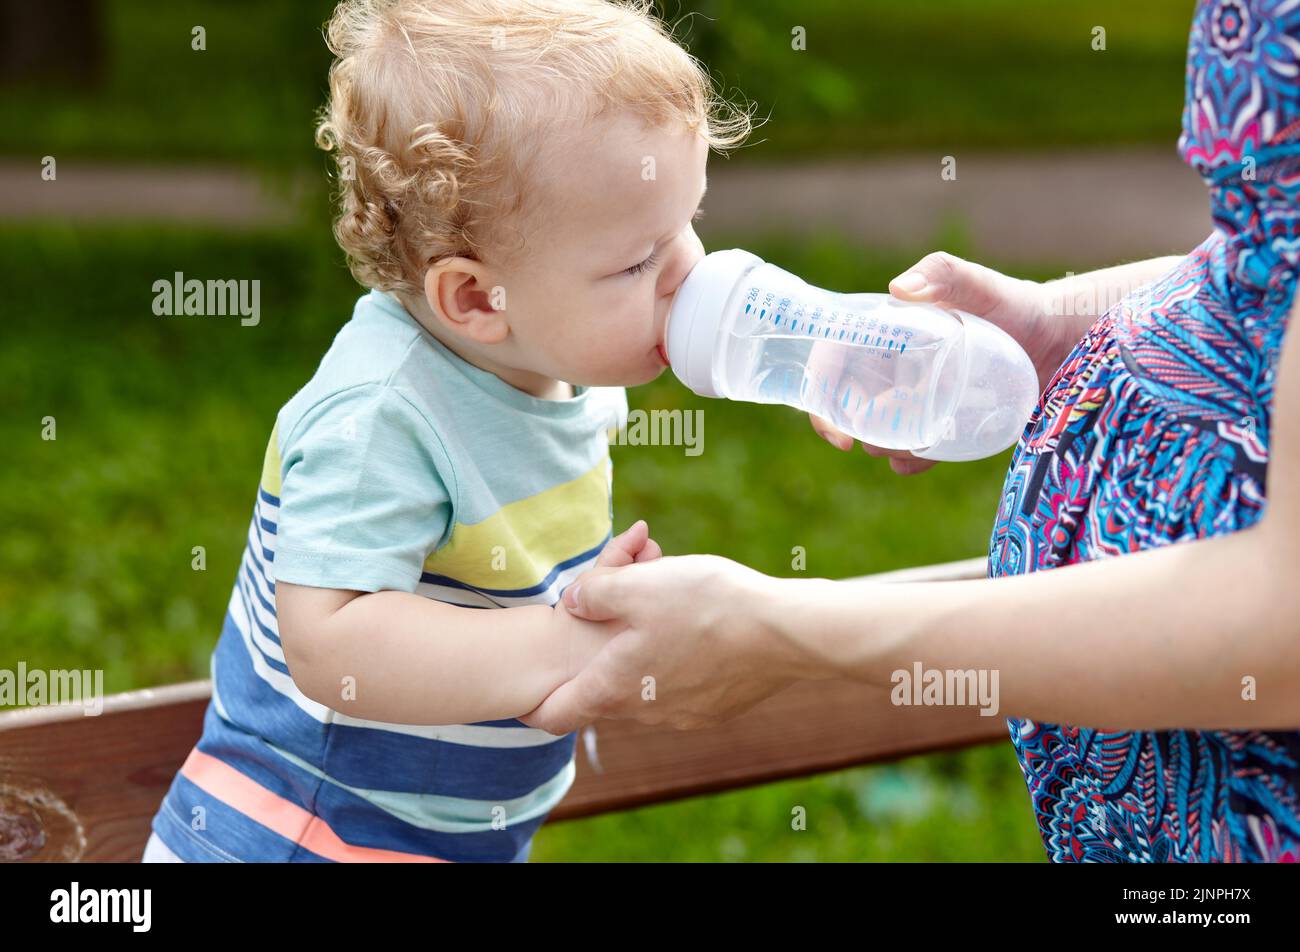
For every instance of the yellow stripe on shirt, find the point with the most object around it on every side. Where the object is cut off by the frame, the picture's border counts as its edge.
(517, 546)
(271, 463)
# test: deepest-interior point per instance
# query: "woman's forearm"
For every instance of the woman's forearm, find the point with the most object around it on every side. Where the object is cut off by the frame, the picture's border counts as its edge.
(1197, 634)
(1079, 299)
(1160, 639)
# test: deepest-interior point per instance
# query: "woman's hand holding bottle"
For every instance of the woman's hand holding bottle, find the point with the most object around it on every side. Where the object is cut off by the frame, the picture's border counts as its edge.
(1017, 306)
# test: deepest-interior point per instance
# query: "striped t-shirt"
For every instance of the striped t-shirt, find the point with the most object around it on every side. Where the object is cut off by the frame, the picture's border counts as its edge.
(399, 466)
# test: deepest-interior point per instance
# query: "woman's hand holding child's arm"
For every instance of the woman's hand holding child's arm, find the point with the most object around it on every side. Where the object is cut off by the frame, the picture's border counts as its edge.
(586, 638)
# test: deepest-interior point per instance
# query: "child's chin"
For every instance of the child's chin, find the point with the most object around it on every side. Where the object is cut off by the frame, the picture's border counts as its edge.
(652, 374)
(632, 378)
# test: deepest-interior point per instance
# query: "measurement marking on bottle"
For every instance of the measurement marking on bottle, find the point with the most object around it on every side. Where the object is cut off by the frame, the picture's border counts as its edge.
(859, 375)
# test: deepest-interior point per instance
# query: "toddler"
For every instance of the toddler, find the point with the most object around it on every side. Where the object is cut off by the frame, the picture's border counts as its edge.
(518, 181)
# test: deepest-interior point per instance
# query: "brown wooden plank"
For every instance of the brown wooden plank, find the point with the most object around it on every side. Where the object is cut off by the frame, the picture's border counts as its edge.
(810, 728)
(85, 788)
(95, 782)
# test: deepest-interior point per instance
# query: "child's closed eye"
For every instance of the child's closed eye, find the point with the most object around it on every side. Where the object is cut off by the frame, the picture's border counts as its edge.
(643, 266)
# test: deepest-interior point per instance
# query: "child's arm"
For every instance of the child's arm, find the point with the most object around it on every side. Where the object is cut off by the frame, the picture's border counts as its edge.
(405, 659)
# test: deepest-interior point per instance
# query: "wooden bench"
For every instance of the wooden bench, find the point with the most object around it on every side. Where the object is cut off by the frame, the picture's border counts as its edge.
(84, 788)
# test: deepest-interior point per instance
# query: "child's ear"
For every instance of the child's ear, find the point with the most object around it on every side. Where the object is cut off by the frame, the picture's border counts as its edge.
(460, 295)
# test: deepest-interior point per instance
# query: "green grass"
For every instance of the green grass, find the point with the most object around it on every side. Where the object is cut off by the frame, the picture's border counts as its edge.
(161, 425)
(875, 76)
(248, 97)
(950, 75)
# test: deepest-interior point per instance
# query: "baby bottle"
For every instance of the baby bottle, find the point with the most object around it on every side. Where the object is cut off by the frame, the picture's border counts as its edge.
(941, 383)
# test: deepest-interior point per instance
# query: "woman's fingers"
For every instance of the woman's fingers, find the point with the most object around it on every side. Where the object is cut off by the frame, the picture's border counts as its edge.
(836, 438)
(909, 465)
(955, 282)
(938, 278)
(900, 461)
(570, 706)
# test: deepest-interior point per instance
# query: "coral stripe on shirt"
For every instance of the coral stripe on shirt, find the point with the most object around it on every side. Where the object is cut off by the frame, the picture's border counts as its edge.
(277, 814)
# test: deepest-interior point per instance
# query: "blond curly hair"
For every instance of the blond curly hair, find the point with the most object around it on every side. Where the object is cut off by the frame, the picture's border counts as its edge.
(436, 108)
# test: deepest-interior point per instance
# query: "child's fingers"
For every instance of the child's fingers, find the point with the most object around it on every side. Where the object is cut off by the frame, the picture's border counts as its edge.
(633, 544)
(650, 552)
(623, 548)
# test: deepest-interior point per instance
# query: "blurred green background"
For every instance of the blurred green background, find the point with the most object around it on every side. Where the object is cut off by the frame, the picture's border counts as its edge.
(162, 423)
(875, 76)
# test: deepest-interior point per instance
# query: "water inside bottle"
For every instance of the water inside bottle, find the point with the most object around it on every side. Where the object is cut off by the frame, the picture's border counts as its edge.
(866, 365)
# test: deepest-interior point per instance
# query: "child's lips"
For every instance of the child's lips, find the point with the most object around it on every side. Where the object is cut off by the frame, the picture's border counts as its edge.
(663, 354)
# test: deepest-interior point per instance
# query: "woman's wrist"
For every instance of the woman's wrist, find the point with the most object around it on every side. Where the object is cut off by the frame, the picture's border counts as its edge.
(794, 622)
(1073, 303)
(1060, 329)
(819, 629)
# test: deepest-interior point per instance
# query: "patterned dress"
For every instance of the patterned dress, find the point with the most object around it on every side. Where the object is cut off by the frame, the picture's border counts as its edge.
(1154, 431)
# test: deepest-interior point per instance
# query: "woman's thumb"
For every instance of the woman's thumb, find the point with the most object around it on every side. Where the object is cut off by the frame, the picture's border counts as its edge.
(943, 278)
(589, 596)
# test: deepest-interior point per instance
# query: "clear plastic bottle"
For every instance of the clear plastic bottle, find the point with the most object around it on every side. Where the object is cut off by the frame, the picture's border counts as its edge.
(940, 383)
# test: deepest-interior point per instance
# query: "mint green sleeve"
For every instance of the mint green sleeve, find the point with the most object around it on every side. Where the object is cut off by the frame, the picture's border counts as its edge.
(363, 496)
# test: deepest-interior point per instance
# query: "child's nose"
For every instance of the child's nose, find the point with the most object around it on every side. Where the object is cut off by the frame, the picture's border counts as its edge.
(688, 254)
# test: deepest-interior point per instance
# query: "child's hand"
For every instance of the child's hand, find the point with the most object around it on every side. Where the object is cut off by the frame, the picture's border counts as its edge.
(632, 545)
(584, 638)
(1017, 306)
